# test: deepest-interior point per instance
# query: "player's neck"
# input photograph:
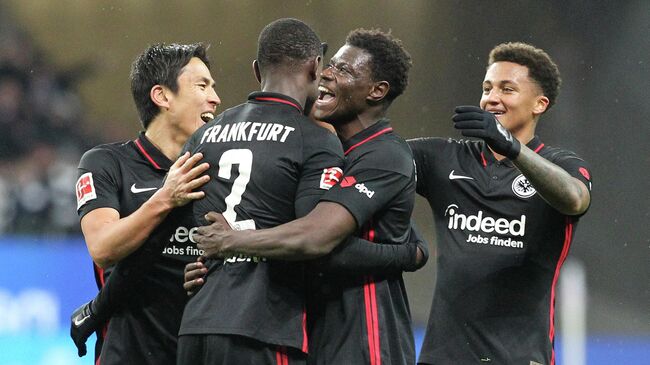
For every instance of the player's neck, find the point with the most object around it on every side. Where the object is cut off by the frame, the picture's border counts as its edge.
(164, 140)
(291, 86)
(367, 118)
(524, 134)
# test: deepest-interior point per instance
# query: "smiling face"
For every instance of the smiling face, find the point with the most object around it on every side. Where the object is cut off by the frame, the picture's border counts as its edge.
(344, 87)
(515, 98)
(195, 102)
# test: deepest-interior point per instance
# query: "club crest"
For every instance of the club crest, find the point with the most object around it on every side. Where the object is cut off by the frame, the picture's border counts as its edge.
(522, 187)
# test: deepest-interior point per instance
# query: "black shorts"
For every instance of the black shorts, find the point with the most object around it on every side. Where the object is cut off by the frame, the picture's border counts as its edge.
(235, 350)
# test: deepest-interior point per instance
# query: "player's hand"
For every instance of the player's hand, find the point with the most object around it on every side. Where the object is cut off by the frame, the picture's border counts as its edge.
(194, 276)
(184, 177)
(212, 238)
(476, 122)
(83, 322)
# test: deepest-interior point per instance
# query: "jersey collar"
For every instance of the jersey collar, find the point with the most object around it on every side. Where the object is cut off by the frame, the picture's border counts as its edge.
(275, 98)
(366, 135)
(487, 157)
(152, 154)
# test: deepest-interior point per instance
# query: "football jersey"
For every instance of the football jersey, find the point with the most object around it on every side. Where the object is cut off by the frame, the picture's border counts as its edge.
(365, 319)
(143, 329)
(269, 165)
(500, 247)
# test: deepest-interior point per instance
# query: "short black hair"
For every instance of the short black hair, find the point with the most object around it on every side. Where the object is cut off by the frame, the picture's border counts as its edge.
(541, 67)
(287, 42)
(160, 64)
(390, 61)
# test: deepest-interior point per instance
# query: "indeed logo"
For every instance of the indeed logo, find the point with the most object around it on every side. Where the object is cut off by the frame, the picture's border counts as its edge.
(479, 222)
(183, 234)
(364, 190)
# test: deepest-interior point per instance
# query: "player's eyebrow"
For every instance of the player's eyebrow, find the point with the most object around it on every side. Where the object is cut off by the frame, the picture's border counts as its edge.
(207, 80)
(501, 82)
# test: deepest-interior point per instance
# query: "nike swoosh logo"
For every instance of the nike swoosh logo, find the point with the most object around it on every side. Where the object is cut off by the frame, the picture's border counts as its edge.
(458, 177)
(79, 321)
(135, 190)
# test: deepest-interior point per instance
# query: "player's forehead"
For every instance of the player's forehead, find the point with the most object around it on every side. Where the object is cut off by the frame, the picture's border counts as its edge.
(355, 57)
(502, 72)
(195, 71)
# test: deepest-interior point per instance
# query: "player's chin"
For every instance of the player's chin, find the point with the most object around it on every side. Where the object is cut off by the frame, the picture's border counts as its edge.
(322, 111)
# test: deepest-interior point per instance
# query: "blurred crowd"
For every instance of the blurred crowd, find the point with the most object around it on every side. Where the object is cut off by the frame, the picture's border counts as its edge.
(41, 140)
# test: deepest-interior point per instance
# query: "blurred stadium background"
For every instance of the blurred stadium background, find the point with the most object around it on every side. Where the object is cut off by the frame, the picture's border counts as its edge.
(64, 88)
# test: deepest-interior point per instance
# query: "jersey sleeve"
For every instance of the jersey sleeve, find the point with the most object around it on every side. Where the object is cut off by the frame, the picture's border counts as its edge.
(574, 165)
(371, 181)
(358, 256)
(98, 182)
(322, 169)
(423, 154)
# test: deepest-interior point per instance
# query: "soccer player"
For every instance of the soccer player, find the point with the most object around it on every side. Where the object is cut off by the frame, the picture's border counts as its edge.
(505, 209)
(354, 319)
(125, 193)
(271, 163)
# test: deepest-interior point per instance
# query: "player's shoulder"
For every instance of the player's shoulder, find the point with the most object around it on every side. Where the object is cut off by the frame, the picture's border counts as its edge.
(315, 135)
(388, 152)
(442, 146)
(555, 154)
(108, 153)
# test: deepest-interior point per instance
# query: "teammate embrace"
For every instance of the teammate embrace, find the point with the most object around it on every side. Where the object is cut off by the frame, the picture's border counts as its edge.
(304, 263)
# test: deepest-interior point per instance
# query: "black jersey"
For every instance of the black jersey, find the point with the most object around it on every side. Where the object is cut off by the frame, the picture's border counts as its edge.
(269, 165)
(365, 319)
(144, 327)
(500, 247)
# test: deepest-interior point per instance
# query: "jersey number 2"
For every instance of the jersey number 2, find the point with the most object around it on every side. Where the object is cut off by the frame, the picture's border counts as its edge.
(243, 158)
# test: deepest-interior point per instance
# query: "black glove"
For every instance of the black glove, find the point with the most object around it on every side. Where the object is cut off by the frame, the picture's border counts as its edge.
(476, 122)
(83, 322)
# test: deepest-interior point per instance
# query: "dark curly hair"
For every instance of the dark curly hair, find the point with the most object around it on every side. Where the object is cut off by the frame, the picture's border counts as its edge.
(541, 67)
(160, 64)
(390, 61)
(287, 42)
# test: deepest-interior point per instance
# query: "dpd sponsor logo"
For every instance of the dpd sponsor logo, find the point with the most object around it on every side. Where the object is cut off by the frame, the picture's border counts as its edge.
(364, 190)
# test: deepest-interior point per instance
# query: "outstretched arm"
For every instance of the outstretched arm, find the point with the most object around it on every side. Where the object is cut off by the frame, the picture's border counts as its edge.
(562, 191)
(111, 238)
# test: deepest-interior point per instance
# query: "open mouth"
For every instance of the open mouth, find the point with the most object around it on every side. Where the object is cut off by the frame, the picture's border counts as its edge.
(496, 113)
(325, 95)
(207, 116)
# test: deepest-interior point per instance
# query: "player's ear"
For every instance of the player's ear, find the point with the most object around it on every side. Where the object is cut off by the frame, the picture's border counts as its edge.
(256, 71)
(158, 95)
(540, 105)
(315, 68)
(378, 91)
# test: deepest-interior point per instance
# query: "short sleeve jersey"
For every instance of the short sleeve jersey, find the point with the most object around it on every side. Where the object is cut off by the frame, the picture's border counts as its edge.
(500, 247)
(122, 176)
(269, 165)
(365, 319)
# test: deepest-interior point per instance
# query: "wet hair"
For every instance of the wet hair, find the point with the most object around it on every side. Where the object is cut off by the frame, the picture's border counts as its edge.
(160, 64)
(390, 61)
(287, 42)
(541, 67)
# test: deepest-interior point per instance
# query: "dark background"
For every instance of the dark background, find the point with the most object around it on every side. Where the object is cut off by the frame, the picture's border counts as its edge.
(602, 49)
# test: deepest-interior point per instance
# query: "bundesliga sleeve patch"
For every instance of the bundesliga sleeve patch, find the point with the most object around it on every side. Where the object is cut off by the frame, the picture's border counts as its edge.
(330, 177)
(85, 189)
